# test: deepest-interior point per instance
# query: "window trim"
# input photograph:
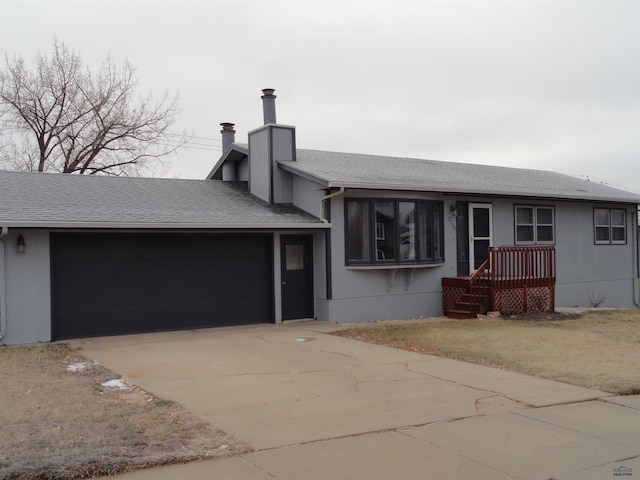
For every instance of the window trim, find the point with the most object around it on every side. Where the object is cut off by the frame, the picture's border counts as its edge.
(535, 225)
(610, 226)
(420, 243)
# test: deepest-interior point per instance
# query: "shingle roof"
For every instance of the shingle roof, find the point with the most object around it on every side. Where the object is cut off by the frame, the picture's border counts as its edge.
(49, 199)
(372, 171)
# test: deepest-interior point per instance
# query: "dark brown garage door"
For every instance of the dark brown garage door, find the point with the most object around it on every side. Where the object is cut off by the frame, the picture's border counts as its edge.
(112, 284)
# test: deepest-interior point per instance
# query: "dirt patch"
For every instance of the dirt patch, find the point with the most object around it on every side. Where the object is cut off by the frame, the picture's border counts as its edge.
(596, 349)
(543, 316)
(65, 417)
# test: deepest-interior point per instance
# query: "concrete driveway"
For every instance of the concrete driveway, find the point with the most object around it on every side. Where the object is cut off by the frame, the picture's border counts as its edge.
(316, 406)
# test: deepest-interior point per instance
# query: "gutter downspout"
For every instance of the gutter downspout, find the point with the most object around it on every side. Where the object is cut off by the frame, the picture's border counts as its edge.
(3, 289)
(324, 199)
(636, 276)
(324, 212)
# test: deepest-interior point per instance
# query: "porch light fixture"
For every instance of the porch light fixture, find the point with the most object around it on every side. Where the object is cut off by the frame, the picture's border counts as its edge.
(454, 212)
(20, 244)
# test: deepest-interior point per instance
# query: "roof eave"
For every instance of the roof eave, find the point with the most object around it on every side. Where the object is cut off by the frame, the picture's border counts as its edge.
(168, 226)
(292, 167)
(458, 191)
(286, 165)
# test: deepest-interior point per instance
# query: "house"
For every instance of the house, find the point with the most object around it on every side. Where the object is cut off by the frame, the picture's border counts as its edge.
(277, 233)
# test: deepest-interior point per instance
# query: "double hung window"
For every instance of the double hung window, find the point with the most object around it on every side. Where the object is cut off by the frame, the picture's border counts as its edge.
(388, 231)
(534, 225)
(610, 226)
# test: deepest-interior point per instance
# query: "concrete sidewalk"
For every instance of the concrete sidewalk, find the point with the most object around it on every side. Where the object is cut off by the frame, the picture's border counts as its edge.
(316, 406)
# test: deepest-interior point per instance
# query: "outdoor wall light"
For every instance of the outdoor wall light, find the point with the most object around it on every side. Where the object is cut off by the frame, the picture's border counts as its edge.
(454, 212)
(20, 244)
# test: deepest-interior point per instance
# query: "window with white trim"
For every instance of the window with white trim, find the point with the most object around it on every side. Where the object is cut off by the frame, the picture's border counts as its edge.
(535, 225)
(391, 231)
(610, 226)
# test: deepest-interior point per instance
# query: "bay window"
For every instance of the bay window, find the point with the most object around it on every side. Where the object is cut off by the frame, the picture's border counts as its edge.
(392, 231)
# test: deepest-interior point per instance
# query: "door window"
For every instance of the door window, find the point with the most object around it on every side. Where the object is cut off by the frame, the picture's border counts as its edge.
(481, 234)
(294, 257)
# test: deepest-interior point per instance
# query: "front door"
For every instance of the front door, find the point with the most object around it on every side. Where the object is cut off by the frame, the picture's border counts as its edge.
(480, 234)
(297, 276)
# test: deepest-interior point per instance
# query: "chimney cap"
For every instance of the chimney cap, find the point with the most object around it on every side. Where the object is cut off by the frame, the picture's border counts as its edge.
(227, 127)
(268, 92)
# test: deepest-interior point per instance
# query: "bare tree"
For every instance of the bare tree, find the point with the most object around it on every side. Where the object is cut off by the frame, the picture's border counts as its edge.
(62, 117)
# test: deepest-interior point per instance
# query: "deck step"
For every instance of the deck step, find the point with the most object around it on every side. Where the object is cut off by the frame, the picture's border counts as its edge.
(473, 300)
(468, 306)
(468, 298)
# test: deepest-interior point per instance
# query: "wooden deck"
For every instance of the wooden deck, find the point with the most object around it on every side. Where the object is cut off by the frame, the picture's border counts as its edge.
(512, 280)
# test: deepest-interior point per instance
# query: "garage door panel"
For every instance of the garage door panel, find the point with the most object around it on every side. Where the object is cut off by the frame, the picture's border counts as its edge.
(106, 284)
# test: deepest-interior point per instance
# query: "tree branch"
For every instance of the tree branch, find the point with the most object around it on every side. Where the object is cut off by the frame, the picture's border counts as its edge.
(79, 121)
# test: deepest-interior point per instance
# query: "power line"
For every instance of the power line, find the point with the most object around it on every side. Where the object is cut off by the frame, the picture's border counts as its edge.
(602, 181)
(198, 138)
(185, 141)
(194, 143)
(188, 146)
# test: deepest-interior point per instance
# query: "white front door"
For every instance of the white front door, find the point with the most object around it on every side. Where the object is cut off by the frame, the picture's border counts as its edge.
(480, 234)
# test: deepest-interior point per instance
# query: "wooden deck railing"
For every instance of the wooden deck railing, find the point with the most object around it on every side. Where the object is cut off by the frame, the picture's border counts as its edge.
(511, 280)
(477, 287)
(523, 266)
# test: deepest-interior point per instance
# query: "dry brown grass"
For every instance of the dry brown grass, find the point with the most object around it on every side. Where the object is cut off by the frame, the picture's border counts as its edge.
(599, 350)
(60, 424)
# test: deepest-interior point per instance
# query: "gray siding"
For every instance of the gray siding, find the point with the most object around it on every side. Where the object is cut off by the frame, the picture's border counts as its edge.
(387, 307)
(283, 148)
(27, 283)
(259, 164)
(319, 267)
(583, 268)
(267, 145)
(28, 288)
(307, 195)
(3, 291)
(243, 170)
(277, 278)
(364, 294)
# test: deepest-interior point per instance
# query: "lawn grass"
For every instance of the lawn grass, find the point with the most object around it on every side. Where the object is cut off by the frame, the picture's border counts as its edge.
(59, 421)
(599, 350)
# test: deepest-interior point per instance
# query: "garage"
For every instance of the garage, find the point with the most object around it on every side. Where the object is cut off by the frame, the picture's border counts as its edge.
(116, 283)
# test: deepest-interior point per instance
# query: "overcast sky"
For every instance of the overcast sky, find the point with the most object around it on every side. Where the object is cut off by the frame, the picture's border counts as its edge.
(552, 85)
